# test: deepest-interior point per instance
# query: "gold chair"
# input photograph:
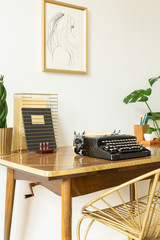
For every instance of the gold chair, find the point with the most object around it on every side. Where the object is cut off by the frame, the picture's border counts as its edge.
(138, 219)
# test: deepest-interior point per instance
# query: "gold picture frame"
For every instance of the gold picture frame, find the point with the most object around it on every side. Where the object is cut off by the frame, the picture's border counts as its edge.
(64, 37)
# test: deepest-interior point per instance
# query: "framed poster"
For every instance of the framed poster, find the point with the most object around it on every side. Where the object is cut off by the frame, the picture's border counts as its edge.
(64, 37)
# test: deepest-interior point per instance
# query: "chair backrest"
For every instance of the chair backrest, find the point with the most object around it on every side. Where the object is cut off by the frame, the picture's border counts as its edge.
(143, 212)
(151, 221)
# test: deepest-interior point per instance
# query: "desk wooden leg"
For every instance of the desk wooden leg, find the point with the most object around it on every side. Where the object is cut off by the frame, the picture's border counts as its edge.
(66, 209)
(132, 192)
(10, 189)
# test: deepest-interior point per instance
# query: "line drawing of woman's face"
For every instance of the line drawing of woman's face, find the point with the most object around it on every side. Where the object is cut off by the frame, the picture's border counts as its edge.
(61, 36)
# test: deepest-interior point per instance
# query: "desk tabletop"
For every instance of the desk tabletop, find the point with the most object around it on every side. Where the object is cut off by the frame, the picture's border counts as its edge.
(65, 162)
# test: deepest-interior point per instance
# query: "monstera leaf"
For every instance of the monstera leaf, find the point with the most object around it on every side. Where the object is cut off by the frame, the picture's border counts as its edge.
(156, 115)
(153, 80)
(138, 96)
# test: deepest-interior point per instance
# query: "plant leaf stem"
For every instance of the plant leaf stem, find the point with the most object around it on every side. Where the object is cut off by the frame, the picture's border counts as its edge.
(154, 120)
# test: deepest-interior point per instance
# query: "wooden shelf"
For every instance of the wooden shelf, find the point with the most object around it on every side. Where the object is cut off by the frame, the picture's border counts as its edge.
(149, 143)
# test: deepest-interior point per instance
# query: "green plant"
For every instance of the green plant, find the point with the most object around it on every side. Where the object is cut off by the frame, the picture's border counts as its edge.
(3, 104)
(150, 130)
(143, 96)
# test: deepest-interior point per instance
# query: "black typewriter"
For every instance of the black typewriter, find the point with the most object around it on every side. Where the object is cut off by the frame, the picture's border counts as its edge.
(112, 147)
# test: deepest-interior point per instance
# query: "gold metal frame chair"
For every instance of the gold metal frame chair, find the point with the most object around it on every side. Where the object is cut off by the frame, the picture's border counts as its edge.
(138, 219)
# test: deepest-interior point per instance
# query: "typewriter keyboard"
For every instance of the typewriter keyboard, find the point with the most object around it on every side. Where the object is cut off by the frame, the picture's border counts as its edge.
(121, 146)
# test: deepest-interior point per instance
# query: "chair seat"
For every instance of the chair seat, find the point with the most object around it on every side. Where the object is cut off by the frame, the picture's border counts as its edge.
(126, 218)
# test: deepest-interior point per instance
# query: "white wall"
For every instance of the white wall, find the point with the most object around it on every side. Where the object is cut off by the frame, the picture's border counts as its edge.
(123, 49)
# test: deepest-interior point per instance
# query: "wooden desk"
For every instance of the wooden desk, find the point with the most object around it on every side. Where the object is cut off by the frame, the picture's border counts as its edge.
(70, 175)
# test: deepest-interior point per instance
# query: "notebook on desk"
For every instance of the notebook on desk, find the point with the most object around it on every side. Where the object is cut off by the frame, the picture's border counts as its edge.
(112, 146)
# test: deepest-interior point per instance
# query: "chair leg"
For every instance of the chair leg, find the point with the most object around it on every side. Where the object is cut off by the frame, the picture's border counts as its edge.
(88, 228)
(79, 225)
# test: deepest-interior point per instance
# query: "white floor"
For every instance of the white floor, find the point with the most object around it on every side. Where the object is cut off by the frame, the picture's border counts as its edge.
(109, 237)
(104, 233)
(113, 236)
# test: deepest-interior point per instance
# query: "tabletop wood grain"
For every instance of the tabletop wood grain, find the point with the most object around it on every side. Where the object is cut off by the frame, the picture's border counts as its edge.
(65, 162)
